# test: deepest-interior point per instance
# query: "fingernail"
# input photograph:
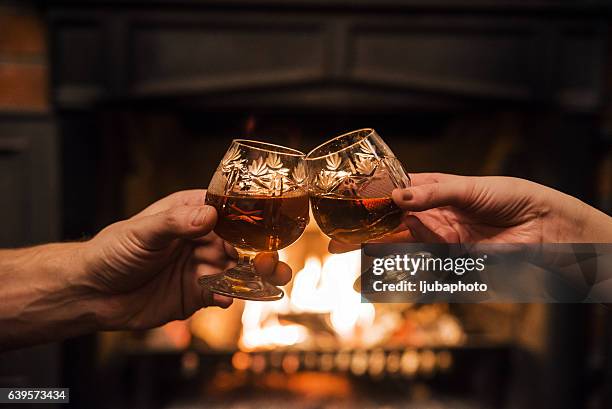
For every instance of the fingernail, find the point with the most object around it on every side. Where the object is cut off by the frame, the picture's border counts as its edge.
(199, 216)
(406, 195)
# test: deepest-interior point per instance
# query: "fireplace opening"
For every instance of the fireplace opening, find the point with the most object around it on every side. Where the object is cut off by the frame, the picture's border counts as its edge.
(320, 345)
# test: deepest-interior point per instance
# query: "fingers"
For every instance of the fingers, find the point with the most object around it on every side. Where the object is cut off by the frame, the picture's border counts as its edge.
(198, 296)
(420, 232)
(274, 271)
(207, 298)
(213, 258)
(428, 190)
(431, 195)
(211, 261)
(158, 230)
(195, 197)
(230, 250)
(281, 275)
(221, 301)
(401, 235)
(213, 253)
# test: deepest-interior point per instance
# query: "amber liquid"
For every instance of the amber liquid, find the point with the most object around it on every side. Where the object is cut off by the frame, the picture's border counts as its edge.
(260, 223)
(353, 220)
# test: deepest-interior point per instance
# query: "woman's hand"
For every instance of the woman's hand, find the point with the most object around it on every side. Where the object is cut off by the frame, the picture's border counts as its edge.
(442, 208)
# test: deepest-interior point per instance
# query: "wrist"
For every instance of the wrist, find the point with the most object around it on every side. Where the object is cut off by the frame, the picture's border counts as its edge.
(75, 299)
(85, 287)
(596, 226)
(90, 280)
(573, 221)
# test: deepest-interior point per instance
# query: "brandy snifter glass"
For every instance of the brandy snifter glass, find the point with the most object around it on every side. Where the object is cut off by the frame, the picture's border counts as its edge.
(259, 191)
(350, 180)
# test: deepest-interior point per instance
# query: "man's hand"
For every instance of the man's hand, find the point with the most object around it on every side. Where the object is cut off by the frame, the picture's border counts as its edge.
(145, 269)
(441, 208)
(137, 273)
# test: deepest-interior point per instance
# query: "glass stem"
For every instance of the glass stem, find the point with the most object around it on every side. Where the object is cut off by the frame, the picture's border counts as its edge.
(245, 262)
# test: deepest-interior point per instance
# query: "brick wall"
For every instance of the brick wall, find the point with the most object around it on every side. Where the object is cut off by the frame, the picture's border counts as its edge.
(23, 58)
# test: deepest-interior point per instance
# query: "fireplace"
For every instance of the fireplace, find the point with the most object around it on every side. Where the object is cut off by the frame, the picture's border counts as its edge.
(320, 345)
(148, 95)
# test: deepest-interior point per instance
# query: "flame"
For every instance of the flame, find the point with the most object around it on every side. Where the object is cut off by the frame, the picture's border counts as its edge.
(347, 313)
(260, 326)
(328, 288)
(308, 294)
(323, 286)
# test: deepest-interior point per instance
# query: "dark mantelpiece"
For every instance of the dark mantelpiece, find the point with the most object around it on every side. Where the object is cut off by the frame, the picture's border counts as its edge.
(387, 54)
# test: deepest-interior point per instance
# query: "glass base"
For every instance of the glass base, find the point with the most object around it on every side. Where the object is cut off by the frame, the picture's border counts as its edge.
(240, 282)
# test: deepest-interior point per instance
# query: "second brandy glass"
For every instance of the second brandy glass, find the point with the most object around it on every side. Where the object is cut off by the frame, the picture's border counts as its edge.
(350, 180)
(259, 191)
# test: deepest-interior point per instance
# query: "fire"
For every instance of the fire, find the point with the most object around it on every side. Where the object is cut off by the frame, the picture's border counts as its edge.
(323, 286)
(322, 300)
(260, 326)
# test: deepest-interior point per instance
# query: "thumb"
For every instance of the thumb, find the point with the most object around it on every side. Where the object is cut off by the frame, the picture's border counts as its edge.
(158, 230)
(432, 195)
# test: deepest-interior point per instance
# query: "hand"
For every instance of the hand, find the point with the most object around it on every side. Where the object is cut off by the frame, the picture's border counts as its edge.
(145, 269)
(441, 208)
